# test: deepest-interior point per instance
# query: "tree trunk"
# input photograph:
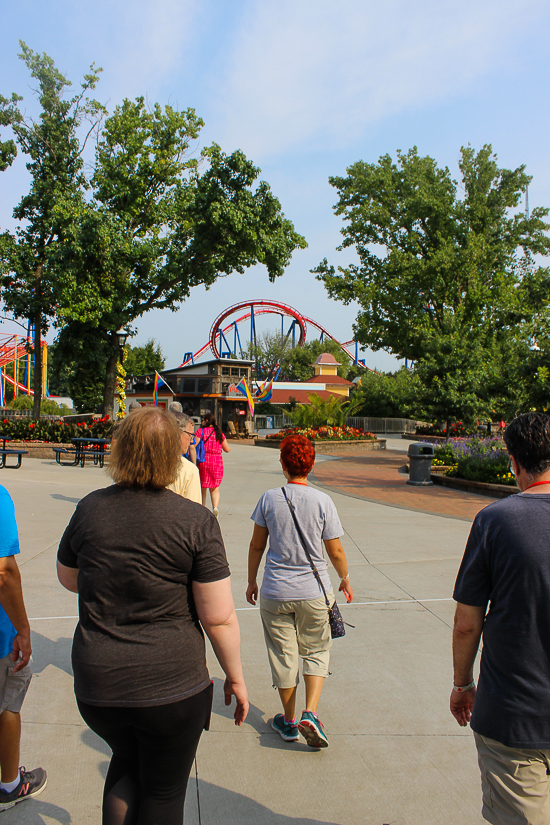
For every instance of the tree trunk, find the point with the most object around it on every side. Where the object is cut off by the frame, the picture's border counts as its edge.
(37, 380)
(109, 389)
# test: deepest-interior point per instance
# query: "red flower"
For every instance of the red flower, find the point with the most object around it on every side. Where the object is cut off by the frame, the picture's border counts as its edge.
(31, 426)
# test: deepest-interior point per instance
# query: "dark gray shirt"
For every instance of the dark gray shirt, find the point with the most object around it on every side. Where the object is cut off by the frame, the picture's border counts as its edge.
(506, 564)
(138, 641)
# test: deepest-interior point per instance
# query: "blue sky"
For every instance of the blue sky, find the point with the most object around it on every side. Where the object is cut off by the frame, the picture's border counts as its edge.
(305, 89)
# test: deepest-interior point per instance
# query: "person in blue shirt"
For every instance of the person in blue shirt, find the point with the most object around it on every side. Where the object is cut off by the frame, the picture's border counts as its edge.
(16, 784)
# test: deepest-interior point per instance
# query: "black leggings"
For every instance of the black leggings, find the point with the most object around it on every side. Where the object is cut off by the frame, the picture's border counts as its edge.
(153, 751)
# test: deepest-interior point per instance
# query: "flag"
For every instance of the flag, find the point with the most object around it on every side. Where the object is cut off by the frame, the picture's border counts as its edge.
(264, 392)
(1, 389)
(242, 387)
(159, 381)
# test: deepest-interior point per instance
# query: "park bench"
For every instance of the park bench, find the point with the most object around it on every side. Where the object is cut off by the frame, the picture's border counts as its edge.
(5, 453)
(79, 456)
(65, 451)
(232, 431)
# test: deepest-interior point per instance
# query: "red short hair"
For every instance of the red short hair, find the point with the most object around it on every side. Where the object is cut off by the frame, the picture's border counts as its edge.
(298, 455)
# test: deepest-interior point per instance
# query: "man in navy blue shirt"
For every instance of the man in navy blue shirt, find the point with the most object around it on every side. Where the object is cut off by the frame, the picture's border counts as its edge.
(16, 783)
(506, 567)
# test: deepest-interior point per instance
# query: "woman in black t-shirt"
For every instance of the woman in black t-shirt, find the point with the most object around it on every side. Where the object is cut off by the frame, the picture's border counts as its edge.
(150, 570)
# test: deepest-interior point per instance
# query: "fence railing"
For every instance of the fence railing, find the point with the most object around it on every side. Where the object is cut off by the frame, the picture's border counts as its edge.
(383, 425)
(277, 421)
(7, 412)
(372, 425)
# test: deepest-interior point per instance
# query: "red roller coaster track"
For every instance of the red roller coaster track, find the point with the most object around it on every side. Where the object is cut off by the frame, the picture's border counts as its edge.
(262, 307)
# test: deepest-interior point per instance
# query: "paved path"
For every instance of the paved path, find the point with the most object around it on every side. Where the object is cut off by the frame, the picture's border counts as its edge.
(375, 477)
(396, 755)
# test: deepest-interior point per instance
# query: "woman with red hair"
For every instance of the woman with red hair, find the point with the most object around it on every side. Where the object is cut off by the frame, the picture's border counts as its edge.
(292, 604)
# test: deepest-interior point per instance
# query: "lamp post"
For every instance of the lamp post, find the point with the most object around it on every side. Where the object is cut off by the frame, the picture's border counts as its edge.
(117, 339)
(120, 337)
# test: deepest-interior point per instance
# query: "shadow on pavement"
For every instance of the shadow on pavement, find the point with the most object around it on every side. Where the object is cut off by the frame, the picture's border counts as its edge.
(49, 652)
(61, 497)
(220, 805)
(34, 811)
(254, 718)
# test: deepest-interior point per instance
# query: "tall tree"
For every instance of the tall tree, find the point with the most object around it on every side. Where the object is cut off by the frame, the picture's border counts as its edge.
(163, 221)
(442, 279)
(141, 360)
(29, 257)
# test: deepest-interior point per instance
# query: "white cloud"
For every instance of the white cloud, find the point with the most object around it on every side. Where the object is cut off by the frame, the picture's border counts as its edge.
(139, 44)
(320, 71)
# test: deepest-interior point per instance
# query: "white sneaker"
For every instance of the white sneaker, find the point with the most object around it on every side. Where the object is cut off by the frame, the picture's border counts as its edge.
(215, 511)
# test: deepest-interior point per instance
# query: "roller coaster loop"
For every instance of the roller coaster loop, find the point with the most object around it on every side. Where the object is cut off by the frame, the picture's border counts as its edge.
(220, 346)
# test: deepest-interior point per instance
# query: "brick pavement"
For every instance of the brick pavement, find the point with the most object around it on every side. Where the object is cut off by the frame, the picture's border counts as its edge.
(376, 477)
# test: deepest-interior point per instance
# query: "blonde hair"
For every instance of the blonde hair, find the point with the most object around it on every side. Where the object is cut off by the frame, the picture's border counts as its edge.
(147, 450)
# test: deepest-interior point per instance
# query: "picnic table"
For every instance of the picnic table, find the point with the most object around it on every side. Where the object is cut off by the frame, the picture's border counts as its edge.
(94, 448)
(5, 452)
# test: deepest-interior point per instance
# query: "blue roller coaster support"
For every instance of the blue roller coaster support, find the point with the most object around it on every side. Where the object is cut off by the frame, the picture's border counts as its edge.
(225, 353)
(291, 331)
(188, 356)
(236, 337)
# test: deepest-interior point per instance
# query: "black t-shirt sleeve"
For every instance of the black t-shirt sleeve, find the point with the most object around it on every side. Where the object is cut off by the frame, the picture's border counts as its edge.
(65, 554)
(210, 561)
(473, 583)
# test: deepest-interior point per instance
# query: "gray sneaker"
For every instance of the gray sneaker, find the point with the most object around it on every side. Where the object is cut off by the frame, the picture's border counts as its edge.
(31, 783)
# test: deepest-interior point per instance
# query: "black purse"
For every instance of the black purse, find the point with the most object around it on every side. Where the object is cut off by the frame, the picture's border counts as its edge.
(337, 629)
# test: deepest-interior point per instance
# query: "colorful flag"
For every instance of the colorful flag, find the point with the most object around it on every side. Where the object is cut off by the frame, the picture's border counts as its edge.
(159, 381)
(242, 387)
(1, 389)
(264, 392)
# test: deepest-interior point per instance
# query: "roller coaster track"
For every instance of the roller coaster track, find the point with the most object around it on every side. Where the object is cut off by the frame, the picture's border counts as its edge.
(218, 332)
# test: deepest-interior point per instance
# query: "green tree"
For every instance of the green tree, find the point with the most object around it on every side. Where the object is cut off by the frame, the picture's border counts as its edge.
(270, 351)
(77, 365)
(29, 265)
(392, 395)
(443, 280)
(163, 221)
(298, 365)
(141, 360)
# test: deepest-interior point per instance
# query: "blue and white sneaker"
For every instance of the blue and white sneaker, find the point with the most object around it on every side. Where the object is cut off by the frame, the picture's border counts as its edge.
(312, 730)
(286, 731)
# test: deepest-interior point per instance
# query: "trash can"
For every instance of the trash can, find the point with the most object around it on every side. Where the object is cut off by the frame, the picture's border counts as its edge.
(420, 462)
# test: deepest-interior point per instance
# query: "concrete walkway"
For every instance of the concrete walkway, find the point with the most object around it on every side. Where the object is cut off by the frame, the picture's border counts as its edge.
(381, 476)
(396, 755)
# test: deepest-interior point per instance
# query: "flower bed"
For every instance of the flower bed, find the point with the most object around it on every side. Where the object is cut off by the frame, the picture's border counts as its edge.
(475, 459)
(54, 432)
(325, 434)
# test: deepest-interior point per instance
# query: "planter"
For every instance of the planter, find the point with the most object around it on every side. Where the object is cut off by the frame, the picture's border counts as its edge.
(328, 447)
(479, 487)
(431, 439)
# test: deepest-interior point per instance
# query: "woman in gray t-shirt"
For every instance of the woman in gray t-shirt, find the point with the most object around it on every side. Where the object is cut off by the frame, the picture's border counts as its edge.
(292, 605)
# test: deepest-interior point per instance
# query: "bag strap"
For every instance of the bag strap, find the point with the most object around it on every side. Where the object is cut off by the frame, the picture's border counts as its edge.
(302, 539)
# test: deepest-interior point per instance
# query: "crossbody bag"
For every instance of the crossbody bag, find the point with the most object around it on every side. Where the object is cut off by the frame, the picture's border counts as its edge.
(337, 629)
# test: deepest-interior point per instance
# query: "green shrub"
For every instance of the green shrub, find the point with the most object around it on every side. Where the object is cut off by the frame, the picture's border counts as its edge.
(58, 432)
(47, 405)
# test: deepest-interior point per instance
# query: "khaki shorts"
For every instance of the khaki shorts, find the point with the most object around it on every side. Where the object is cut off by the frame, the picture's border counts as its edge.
(515, 783)
(13, 686)
(293, 630)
